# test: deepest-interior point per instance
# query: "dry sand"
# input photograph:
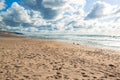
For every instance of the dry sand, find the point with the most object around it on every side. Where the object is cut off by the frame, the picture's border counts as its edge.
(36, 59)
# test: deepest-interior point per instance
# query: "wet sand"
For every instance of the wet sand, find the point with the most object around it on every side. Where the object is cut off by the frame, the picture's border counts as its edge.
(36, 59)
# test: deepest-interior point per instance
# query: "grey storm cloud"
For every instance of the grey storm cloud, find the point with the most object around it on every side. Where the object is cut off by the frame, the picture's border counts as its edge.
(49, 8)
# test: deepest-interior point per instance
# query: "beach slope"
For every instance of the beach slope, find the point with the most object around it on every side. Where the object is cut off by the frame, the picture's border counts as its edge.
(36, 59)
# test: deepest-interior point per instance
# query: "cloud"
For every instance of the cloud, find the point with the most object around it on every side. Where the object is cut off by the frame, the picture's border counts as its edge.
(101, 10)
(15, 15)
(51, 9)
(53, 3)
(61, 16)
(2, 4)
(18, 18)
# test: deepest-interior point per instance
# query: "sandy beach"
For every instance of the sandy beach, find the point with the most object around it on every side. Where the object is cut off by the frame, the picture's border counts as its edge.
(36, 59)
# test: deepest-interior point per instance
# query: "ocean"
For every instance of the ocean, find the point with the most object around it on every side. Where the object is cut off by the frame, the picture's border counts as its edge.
(104, 41)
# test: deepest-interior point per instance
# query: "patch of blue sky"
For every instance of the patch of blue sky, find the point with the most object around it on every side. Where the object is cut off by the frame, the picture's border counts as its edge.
(9, 3)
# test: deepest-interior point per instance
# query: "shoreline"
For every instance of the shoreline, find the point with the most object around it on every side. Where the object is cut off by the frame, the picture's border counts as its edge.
(24, 58)
(19, 35)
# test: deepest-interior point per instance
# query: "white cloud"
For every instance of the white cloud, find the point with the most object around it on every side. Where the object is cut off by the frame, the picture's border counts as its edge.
(101, 10)
(51, 9)
(53, 3)
(15, 14)
(70, 17)
(2, 4)
(18, 18)
(15, 17)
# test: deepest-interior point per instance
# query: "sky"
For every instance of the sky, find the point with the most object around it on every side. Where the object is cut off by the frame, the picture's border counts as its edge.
(61, 16)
